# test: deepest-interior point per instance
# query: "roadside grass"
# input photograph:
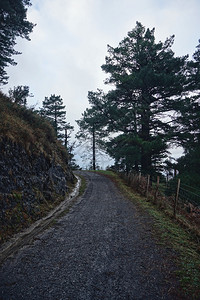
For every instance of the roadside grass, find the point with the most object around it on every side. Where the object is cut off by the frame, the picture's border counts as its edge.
(83, 185)
(80, 193)
(171, 234)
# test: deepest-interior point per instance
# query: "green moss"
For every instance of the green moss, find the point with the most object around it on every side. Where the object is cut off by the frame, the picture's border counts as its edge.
(17, 196)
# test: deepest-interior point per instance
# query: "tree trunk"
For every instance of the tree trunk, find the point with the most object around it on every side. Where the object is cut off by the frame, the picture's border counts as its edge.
(145, 162)
(55, 121)
(66, 139)
(145, 135)
(93, 149)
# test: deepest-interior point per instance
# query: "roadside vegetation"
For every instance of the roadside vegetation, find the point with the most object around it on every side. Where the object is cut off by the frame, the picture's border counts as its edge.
(83, 185)
(24, 126)
(30, 152)
(169, 233)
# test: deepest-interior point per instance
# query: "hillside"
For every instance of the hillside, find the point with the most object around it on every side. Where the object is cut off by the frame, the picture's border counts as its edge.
(34, 171)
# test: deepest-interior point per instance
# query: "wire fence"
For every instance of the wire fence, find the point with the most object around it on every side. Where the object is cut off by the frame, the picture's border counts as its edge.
(180, 198)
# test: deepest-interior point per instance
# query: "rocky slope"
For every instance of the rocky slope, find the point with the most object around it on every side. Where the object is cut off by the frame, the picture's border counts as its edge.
(34, 174)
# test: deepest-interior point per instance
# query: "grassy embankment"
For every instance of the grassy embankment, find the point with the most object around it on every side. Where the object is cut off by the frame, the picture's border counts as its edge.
(35, 134)
(24, 127)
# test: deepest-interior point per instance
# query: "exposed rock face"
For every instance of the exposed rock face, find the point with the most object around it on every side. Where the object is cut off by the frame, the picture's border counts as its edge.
(28, 183)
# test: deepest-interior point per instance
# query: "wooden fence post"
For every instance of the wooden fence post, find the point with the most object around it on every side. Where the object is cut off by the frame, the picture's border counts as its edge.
(139, 177)
(148, 181)
(167, 179)
(132, 180)
(176, 198)
(156, 191)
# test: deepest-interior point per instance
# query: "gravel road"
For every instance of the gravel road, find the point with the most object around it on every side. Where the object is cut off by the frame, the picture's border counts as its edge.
(102, 248)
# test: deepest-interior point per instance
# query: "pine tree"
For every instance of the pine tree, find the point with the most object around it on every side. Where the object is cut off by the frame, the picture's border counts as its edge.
(70, 146)
(68, 131)
(53, 109)
(188, 124)
(148, 81)
(20, 94)
(13, 24)
(91, 124)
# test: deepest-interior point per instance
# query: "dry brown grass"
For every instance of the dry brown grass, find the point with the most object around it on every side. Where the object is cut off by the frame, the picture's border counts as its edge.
(24, 126)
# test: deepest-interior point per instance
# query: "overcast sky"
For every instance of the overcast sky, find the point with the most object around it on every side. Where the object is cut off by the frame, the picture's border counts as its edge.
(69, 43)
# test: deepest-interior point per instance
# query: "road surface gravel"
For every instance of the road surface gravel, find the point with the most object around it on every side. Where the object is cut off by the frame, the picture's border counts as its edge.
(103, 248)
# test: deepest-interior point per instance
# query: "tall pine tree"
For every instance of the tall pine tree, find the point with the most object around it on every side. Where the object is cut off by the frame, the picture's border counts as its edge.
(148, 80)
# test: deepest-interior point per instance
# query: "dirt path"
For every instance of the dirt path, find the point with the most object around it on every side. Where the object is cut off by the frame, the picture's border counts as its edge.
(101, 249)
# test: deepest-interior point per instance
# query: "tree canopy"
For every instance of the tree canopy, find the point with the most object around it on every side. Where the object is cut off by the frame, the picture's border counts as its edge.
(13, 24)
(154, 103)
(19, 94)
(54, 110)
(148, 80)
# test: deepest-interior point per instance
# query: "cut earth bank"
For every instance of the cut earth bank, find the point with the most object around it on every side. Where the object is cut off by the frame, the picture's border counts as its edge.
(30, 185)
